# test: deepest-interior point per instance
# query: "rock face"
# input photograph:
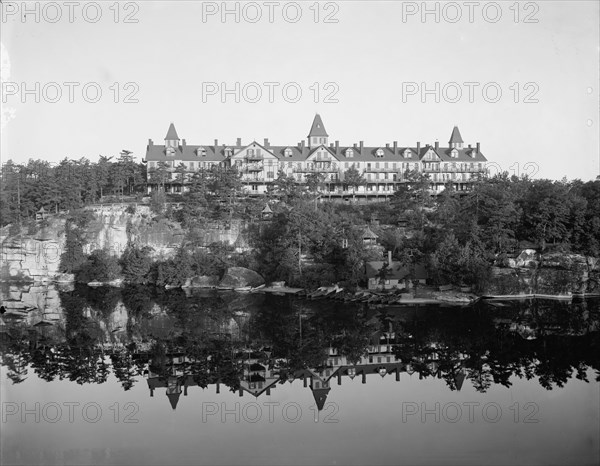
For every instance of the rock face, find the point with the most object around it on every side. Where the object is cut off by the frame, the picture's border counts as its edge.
(238, 277)
(553, 273)
(36, 257)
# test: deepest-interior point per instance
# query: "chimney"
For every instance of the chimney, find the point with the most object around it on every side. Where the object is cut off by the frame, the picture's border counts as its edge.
(239, 142)
(469, 146)
(361, 146)
(331, 146)
(183, 143)
(389, 258)
(395, 147)
(387, 145)
(478, 146)
(337, 147)
(354, 146)
(418, 148)
(302, 145)
(150, 142)
(216, 145)
(266, 143)
(437, 145)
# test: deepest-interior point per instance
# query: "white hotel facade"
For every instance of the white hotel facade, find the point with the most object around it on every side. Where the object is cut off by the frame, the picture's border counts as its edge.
(382, 167)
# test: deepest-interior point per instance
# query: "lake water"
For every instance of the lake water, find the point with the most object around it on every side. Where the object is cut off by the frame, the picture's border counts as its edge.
(142, 376)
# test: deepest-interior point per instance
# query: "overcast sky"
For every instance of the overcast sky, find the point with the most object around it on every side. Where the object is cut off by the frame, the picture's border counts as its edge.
(371, 68)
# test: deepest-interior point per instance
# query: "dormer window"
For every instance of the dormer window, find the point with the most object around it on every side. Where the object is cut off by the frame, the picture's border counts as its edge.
(379, 153)
(228, 152)
(454, 153)
(287, 152)
(407, 153)
(349, 153)
(201, 152)
(170, 151)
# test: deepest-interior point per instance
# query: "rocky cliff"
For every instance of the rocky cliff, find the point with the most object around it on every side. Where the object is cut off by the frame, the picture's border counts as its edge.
(35, 257)
(550, 273)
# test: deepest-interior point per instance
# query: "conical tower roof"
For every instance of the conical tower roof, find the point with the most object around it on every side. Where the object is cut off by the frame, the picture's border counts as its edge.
(171, 134)
(455, 137)
(317, 128)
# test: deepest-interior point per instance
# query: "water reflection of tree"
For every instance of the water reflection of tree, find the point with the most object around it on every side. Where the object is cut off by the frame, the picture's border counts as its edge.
(487, 345)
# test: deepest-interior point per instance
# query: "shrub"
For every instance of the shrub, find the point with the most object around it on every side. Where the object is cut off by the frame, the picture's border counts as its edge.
(99, 266)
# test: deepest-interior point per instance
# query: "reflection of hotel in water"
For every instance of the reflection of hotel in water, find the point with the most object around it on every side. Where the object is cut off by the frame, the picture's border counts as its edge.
(261, 373)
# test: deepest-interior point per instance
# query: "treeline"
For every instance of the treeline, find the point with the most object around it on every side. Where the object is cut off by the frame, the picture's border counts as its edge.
(68, 185)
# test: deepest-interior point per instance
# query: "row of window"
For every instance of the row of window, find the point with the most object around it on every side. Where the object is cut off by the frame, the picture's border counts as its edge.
(346, 165)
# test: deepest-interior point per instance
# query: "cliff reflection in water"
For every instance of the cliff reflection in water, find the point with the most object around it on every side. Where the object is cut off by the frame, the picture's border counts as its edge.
(253, 343)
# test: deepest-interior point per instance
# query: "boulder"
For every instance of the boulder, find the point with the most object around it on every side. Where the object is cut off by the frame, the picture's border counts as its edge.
(238, 277)
(202, 281)
(527, 258)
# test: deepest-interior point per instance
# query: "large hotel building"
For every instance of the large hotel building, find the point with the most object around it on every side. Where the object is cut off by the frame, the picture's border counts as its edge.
(382, 167)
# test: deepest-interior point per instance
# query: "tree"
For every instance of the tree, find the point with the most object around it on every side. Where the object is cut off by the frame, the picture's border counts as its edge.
(160, 174)
(354, 179)
(136, 264)
(284, 187)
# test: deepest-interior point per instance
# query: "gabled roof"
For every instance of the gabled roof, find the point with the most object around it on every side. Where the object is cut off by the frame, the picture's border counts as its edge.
(317, 128)
(455, 137)
(185, 154)
(323, 147)
(171, 134)
(367, 233)
(298, 155)
(268, 150)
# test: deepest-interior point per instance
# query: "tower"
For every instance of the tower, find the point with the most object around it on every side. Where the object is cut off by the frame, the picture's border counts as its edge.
(317, 134)
(456, 141)
(171, 139)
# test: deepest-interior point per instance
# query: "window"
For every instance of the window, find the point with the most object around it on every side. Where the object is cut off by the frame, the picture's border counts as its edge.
(287, 152)
(406, 153)
(151, 164)
(379, 153)
(270, 175)
(376, 164)
(368, 166)
(192, 165)
(386, 165)
(201, 151)
(349, 153)
(254, 187)
(315, 140)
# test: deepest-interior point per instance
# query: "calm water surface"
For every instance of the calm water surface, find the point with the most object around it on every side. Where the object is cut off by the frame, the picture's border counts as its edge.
(138, 376)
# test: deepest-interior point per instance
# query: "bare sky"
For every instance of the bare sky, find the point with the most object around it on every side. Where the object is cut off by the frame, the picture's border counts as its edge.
(376, 61)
